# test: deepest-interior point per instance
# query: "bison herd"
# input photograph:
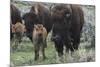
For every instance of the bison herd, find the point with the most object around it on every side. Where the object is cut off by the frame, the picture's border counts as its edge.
(65, 21)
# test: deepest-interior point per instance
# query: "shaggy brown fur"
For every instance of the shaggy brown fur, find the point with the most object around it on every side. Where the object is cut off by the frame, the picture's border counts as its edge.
(39, 40)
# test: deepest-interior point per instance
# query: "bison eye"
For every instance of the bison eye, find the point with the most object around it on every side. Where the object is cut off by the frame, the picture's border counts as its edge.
(41, 29)
(68, 15)
(36, 29)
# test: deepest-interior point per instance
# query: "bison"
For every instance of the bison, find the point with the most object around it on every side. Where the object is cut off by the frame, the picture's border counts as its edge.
(18, 31)
(39, 40)
(15, 17)
(67, 22)
(15, 14)
(38, 14)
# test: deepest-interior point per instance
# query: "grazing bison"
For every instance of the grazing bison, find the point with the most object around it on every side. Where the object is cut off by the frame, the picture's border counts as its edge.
(18, 30)
(39, 40)
(15, 17)
(67, 21)
(38, 14)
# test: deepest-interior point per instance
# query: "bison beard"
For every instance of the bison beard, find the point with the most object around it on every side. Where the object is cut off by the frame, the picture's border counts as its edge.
(68, 22)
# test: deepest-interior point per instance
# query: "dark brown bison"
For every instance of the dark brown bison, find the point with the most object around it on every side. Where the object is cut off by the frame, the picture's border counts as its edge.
(15, 17)
(15, 14)
(18, 30)
(39, 40)
(39, 14)
(67, 21)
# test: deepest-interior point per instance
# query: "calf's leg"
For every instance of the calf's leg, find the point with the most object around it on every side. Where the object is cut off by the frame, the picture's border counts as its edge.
(36, 52)
(43, 46)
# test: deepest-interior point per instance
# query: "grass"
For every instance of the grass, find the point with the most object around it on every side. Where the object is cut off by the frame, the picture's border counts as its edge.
(25, 55)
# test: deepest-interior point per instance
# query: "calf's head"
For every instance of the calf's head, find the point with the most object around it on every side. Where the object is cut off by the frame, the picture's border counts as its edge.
(61, 12)
(39, 33)
(38, 29)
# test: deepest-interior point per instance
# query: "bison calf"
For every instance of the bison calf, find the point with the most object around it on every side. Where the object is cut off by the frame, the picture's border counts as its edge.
(18, 30)
(39, 40)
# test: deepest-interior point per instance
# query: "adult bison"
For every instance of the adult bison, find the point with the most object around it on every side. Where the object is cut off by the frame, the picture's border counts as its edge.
(15, 14)
(38, 14)
(15, 17)
(67, 21)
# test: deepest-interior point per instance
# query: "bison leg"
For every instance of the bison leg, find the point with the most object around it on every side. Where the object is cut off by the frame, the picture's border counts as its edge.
(19, 36)
(69, 46)
(45, 44)
(58, 44)
(19, 39)
(11, 35)
(43, 53)
(59, 48)
(29, 35)
(68, 43)
(15, 45)
(36, 52)
(76, 42)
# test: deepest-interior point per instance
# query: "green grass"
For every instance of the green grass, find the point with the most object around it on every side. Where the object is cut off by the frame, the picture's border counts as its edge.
(25, 55)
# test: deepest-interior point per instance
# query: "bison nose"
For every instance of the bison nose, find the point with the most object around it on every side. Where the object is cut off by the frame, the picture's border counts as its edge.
(40, 35)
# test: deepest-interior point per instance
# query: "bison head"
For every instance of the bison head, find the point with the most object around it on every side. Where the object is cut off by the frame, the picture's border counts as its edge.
(61, 18)
(61, 13)
(39, 33)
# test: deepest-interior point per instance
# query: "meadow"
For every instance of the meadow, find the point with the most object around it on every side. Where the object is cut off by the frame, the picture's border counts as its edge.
(24, 55)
